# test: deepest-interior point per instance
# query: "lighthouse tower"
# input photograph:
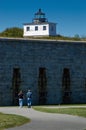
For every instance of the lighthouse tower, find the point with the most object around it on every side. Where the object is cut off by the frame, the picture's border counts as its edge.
(39, 26)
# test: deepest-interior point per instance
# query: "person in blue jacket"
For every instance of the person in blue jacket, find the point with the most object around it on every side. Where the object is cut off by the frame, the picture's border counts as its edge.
(29, 98)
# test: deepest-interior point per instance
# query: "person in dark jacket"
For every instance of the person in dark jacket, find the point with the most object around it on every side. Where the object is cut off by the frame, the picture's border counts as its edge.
(29, 98)
(20, 96)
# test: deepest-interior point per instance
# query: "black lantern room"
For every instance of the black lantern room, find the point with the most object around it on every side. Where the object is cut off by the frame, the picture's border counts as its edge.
(39, 17)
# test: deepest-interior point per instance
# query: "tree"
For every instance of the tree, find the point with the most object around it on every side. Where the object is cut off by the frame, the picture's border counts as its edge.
(12, 32)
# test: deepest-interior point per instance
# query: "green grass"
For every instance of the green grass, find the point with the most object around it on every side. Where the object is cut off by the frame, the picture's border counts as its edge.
(71, 111)
(11, 120)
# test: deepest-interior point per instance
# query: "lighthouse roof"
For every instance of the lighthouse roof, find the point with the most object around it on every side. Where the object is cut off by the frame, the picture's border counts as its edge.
(39, 12)
(39, 23)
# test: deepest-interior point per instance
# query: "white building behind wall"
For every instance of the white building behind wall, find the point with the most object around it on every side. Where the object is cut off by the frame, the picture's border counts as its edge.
(39, 26)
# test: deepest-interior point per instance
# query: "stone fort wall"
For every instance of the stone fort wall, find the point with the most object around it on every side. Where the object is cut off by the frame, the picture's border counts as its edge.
(55, 71)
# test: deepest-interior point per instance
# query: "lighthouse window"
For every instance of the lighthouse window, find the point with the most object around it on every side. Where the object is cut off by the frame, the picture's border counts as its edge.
(28, 28)
(36, 28)
(44, 27)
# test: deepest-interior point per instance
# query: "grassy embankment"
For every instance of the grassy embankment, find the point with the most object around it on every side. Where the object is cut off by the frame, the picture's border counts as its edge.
(64, 109)
(11, 120)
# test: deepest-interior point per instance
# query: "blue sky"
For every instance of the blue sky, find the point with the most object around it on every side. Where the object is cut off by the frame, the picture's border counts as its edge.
(70, 15)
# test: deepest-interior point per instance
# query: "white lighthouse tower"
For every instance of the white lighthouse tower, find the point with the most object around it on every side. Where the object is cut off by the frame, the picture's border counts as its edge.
(39, 26)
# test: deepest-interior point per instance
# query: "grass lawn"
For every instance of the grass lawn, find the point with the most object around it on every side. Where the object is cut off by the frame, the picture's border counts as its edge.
(78, 111)
(11, 120)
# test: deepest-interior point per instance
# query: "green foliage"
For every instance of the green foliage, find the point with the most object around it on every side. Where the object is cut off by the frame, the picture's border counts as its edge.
(12, 32)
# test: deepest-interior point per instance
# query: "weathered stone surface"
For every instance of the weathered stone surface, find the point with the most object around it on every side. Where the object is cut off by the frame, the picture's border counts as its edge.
(30, 55)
